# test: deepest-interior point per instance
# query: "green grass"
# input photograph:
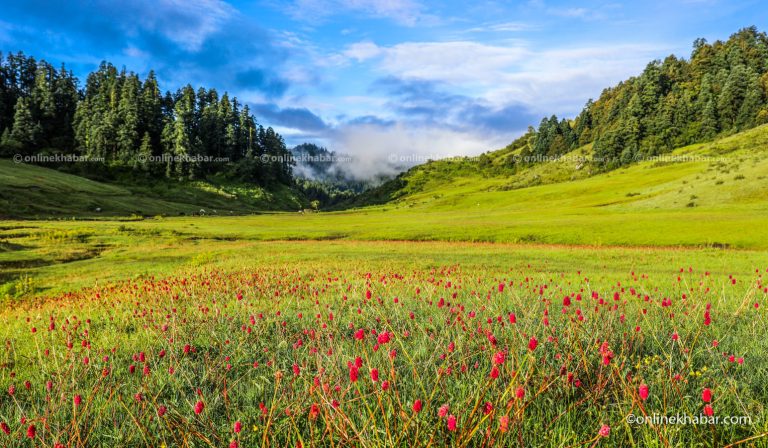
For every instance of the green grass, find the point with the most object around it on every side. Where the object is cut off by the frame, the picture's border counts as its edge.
(285, 285)
(647, 204)
(28, 191)
(706, 200)
(146, 285)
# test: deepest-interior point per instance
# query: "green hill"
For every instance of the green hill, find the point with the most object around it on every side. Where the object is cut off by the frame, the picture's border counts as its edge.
(710, 196)
(28, 191)
(703, 194)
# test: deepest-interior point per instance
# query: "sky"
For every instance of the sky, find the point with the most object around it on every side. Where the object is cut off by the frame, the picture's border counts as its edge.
(374, 78)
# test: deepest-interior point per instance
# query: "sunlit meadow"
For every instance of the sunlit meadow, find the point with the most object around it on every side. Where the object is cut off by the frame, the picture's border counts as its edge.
(507, 347)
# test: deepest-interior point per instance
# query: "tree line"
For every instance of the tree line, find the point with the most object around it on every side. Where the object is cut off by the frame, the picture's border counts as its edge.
(721, 89)
(128, 123)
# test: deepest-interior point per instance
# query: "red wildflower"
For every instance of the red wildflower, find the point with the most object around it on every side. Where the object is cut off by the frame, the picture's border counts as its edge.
(605, 431)
(451, 422)
(643, 391)
(199, 406)
(238, 426)
(314, 411)
(417, 406)
(706, 395)
(504, 423)
(31, 431)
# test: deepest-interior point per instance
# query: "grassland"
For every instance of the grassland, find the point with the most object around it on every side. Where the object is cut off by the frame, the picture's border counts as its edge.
(705, 196)
(276, 344)
(651, 276)
(33, 192)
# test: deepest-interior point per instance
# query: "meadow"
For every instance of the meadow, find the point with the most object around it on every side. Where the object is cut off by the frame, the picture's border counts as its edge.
(467, 312)
(205, 342)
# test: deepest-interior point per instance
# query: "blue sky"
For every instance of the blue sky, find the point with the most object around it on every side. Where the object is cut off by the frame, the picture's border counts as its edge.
(373, 77)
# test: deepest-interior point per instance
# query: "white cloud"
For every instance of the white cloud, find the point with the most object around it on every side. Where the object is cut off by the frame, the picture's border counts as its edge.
(604, 11)
(362, 51)
(554, 80)
(511, 27)
(458, 61)
(187, 23)
(569, 12)
(134, 52)
(387, 150)
(544, 81)
(403, 12)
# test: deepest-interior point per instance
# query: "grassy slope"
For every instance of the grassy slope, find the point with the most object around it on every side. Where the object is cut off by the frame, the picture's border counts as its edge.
(646, 204)
(642, 205)
(719, 198)
(29, 191)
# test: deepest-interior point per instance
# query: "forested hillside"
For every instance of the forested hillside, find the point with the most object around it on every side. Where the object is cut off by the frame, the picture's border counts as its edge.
(131, 127)
(129, 124)
(721, 89)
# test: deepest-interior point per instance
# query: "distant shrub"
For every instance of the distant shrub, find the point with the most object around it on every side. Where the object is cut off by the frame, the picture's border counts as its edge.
(60, 236)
